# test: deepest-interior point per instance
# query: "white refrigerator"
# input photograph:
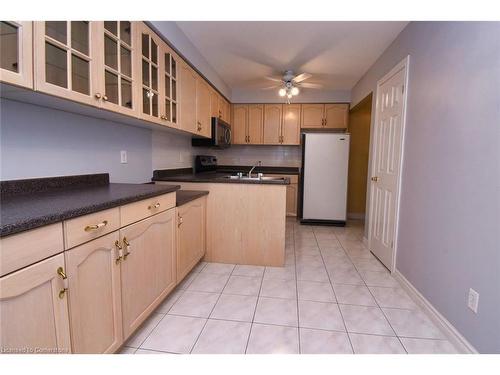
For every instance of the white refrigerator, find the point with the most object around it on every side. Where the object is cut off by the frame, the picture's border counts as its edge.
(325, 162)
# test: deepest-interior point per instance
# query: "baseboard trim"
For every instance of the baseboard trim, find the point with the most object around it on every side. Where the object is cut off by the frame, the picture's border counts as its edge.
(455, 337)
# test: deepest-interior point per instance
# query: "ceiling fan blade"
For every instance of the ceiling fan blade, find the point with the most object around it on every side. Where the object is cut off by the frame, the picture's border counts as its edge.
(302, 77)
(273, 79)
(270, 87)
(311, 85)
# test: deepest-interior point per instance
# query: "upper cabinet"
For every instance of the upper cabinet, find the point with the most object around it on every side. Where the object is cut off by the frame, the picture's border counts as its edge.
(273, 116)
(188, 98)
(290, 129)
(239, 124)
(16, 54)
(169, 102)
(247, 124)
(151, 79)
(117, 56)
(65, 63)
(325, 116)
(203, 118)
(336, 116)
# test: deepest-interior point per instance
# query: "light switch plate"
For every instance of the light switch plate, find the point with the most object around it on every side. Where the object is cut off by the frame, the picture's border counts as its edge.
(123, 157)
(473, 300)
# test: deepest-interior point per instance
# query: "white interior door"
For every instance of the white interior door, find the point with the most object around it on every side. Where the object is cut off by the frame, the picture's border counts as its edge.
(386, 163)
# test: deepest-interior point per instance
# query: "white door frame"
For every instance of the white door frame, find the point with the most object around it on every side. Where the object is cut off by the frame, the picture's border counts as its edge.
(405, 63)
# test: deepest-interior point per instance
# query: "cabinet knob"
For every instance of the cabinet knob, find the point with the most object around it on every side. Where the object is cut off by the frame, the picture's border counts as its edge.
(154, 206)
(105, 98)
(127, 248)
(62, 274)
(98, 96)
(179, 220)
(119, 249)
(90, 228)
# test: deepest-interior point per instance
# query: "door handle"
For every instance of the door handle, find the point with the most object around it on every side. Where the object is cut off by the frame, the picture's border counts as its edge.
(375, 179)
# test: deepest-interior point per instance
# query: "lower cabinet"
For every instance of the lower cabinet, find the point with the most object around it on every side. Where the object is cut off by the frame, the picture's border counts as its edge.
(34, 309)
(191, 235)
(148, 266)
(94, 295)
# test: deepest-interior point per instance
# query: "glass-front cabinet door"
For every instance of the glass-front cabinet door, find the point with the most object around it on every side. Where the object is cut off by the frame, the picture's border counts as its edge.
(169, 100)
(151, 66)
(116, 52)
(16, 53)
(65, 64)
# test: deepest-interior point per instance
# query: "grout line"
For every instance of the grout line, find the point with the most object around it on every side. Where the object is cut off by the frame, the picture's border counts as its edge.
(331, 286)
(211, 311)
(255, 310)
(296, 287)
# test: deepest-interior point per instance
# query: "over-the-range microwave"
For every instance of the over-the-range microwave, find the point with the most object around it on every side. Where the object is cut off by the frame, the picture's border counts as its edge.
(221, 136)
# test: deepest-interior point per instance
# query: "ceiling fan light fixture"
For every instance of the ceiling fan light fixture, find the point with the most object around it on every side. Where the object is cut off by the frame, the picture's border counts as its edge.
(295, 90)
(289, 96)
(282, 92)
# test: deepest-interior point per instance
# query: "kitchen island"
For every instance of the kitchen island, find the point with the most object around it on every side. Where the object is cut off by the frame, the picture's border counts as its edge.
(245, 218)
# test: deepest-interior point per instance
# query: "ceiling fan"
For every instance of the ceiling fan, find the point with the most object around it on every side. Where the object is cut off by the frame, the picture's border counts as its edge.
(290, 84)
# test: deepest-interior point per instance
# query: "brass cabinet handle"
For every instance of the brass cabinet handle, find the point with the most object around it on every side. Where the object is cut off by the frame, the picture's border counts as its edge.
(374, 178)
(119, 248)
(179, 219)
(199, 126)
(163, 117)
(154, 206)
(127, 248)
(92, 227)
(104, 97)
(98, 96)
(62, 274)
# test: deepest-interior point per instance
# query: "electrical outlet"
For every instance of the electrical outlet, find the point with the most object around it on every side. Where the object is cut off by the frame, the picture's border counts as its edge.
(123, 157)
(473, 300)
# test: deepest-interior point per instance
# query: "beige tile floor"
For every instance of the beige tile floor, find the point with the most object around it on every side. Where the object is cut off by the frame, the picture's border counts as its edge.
(332, 296)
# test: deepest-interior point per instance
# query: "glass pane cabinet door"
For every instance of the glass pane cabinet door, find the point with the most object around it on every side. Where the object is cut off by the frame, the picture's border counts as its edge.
(118, 66)
(170, 79)
(150, 68)
(64, 59)
(16, 54)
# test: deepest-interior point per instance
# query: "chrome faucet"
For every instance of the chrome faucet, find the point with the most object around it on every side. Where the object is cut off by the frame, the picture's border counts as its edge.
(251, 170)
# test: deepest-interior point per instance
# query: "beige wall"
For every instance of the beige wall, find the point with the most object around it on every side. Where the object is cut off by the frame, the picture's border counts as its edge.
(359, 127)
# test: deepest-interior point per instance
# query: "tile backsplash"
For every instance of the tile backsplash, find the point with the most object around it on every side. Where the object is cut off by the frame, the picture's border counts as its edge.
(273, 156)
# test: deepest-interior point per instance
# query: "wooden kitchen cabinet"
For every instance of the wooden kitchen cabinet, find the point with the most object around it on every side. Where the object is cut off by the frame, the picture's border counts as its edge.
(273, 117)
(191, 235)
(290, 130)
(170, 105)
(94, 295)
(255, 123)
(203, 118)
(239, 124)
(336, 116)
(325, 116)
(214, 103)
(188, 98)
(291, 193)
(16, 53)
(148, 268)
(149, 68)
(34, 309)
(65, 61)
(116, 57)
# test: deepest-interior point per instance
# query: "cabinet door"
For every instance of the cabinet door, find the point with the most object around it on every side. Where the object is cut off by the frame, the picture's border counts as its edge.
(148, 271)
(34, 314)
(214, 103)
(255, 123)
(116, 56)
(16, 53)
(291, 199)
(222, 107)
(203, 123)
(168, 112)
(191, 232)
(291, 124)
(239, 124)
(65, 61)
(336, 116)
(226, 115)
(272, 123)
(94, 296)
(149, 69)
(188, 99)
(312, 115)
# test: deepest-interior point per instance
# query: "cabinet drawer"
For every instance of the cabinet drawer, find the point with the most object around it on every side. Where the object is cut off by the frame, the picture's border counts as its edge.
(88, 227)
(132, 212)
(20, 250)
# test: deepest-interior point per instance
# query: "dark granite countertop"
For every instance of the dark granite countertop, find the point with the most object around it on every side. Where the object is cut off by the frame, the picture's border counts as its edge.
(29, 204)
(211, 177)
(185, 196)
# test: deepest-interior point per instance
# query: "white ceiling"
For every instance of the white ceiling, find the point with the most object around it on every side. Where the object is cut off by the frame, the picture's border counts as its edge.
(336, 53)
